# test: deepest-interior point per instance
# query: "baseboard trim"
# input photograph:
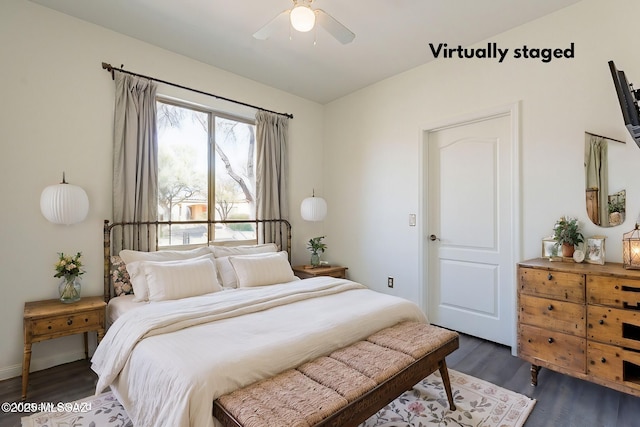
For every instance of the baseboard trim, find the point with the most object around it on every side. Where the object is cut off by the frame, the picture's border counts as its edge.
(40, 363)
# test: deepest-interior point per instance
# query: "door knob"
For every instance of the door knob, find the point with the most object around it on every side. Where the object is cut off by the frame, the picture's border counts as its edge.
(433, 238)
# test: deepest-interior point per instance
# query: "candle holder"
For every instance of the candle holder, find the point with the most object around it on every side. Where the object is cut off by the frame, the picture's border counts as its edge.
(631, 249)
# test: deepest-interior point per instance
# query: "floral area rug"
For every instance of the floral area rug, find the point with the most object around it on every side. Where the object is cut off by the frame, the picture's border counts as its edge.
(479, 404)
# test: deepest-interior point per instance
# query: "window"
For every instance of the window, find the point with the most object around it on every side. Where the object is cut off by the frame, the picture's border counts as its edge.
(206, 170)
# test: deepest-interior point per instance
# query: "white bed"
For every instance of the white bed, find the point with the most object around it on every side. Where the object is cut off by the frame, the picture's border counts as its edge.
(168, 359)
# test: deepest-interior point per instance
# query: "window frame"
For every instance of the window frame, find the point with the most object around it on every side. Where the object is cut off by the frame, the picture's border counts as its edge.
(211, 113)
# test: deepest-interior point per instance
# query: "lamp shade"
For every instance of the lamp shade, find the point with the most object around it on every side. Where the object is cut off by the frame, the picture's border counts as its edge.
(631, 249)
(313, 209)
(302, 18)
(64, 203)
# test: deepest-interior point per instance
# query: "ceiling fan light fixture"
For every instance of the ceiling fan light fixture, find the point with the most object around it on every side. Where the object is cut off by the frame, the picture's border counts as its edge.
(302, 18)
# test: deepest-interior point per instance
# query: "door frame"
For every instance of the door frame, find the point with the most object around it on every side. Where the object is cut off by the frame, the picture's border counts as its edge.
(513, 111)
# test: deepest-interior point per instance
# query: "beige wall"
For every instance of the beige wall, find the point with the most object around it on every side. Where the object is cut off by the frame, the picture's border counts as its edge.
(377, 132)
(57, 116)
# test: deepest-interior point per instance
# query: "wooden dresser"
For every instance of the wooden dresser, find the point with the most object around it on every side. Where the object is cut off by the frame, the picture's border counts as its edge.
(581, 320)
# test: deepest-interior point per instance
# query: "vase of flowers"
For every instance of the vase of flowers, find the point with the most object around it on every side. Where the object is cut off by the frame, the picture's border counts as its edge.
(69, 269)
(316, 247)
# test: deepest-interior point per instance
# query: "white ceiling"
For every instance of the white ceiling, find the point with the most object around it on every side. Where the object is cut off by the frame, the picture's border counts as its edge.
(392, 36)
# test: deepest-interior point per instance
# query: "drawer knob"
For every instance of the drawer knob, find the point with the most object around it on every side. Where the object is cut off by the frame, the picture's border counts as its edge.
(601, 322)
(549, 277)
(550, 340)
(69, 322)
(603, 360)
(550, 307)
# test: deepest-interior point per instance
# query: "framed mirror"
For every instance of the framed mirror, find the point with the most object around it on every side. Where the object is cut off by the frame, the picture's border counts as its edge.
(605, 199)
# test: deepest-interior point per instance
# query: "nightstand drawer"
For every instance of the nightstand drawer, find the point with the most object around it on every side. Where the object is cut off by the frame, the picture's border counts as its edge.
(552, 284)
(562, 350)
(89, 321)
(556, 315)
(303, 272)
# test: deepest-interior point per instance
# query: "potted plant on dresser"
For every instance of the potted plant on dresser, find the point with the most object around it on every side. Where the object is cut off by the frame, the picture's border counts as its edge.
(567, 235)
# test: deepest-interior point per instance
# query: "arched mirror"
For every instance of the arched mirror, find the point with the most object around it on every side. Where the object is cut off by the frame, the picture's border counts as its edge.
(606, 199)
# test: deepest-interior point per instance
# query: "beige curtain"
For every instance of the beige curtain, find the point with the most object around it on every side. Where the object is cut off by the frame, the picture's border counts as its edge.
(272, 201)
(596, 173)
(135, 159)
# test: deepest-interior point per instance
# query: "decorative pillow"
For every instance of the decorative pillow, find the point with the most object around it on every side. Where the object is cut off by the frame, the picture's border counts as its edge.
(175, 280)
(138, 275)
(223, 251)
(227, 274)
(120, 277)
(130, 256)
(260, 271)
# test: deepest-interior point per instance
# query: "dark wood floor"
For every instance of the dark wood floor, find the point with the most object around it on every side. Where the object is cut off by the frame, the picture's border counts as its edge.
(561, 400)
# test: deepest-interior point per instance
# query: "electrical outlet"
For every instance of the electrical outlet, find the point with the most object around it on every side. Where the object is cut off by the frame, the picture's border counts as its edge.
(390, 282)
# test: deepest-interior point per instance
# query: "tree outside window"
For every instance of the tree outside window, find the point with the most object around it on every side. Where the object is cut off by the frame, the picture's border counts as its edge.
(206, 170)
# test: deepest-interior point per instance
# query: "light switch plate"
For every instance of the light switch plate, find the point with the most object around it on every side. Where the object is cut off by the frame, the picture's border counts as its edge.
(412, 220)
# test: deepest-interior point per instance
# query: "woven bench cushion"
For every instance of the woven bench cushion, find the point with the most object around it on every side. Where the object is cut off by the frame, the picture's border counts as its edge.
(376, 362)
(290, 398)
(343, 379)
(412, 338)
(306, 395)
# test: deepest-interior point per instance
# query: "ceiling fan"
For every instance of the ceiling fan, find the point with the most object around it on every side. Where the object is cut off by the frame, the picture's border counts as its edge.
(303, 18)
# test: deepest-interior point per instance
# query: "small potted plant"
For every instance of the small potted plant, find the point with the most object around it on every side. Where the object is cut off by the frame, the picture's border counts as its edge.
(316, 247)
(616, 212)
(567, 234)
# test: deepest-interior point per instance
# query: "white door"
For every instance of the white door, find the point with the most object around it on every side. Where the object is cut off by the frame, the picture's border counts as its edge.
(470, 230)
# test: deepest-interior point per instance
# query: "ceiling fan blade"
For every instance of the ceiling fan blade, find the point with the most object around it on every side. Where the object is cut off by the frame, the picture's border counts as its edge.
(280, 20)
(333, 27)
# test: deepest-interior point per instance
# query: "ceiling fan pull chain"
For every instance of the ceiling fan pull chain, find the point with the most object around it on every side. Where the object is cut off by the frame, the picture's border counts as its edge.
(315, 35)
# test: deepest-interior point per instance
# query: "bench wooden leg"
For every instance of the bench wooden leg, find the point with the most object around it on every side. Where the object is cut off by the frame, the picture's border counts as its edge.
(444, 374)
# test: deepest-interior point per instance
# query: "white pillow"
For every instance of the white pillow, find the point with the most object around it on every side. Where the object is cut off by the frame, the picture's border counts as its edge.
(227, 274)
(137, 274)
(175, 280)
(223, 251)
(128, 255)
(260, 271)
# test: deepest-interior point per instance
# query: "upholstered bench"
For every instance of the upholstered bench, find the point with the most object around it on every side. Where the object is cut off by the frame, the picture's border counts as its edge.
(346, 387)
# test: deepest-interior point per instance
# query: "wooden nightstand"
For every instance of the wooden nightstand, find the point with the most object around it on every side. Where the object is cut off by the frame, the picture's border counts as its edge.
(44, 320)
(305, 272)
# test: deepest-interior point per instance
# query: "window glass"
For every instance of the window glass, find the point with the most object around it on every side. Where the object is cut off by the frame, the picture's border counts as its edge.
(206, 170)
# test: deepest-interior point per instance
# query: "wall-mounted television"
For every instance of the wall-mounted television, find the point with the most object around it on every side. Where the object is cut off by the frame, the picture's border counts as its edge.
(628, 98)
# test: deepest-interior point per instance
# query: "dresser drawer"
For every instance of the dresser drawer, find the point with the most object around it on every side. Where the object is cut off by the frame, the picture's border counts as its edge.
(611, 363)
(614, 326)
(562, 350)
(613, 291)
(556, 315)
(89, 321)
(552, 284)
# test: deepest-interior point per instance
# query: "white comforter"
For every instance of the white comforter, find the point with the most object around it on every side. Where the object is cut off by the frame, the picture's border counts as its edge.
(166, 362)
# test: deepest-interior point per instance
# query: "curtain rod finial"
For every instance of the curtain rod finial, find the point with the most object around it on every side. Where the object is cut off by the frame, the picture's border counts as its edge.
(109, 68)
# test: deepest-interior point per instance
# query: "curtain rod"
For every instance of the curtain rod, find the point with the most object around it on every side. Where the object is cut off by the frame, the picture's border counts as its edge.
(112, 70)
(605, 137)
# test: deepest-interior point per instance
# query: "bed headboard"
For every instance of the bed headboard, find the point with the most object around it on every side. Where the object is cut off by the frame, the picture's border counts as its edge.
(145, 237)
